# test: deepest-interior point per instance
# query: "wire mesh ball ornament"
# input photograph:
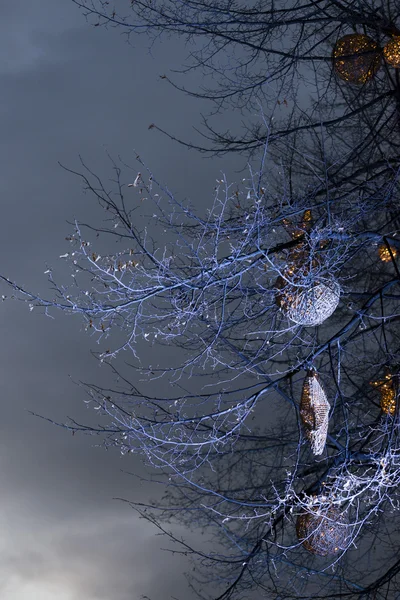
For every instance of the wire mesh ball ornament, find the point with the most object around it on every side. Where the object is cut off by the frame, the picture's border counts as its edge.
(312, 302)
(387, 388)
(314, 413)
(356, 58)
(391, 52)
(323, 532)
(384, 253)
(308, 306)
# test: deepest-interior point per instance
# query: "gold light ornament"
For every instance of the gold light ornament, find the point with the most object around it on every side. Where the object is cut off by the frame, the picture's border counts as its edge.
(356, 58)
(323, 532)
(297, 231)
(384, 253)
(308, 306)
(387, 388)
(314, 412)
(391, 52)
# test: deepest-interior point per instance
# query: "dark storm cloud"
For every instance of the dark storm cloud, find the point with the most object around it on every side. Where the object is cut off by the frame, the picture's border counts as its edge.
(98, 556)
(68, 89)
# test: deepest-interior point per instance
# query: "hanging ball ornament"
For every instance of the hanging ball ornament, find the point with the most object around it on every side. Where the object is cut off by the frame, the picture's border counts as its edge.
(306, 298)
(356, 58)
(391, 52)
(308, 305)
(323, 532)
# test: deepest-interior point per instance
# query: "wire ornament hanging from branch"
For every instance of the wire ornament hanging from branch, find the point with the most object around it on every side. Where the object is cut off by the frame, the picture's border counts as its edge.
(391, 52)
(305, 296)
(308, 306)
(314, 412)
(323, 532)
(356, 58)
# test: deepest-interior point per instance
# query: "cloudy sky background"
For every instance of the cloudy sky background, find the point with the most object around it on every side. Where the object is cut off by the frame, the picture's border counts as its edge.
(69, 89)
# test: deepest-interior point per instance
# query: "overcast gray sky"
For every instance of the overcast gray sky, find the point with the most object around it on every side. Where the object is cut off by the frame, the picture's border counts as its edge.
(67, 88)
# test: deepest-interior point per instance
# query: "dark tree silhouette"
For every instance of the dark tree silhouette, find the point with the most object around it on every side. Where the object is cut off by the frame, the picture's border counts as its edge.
(279, 55)
(268, 398)
(281, 310)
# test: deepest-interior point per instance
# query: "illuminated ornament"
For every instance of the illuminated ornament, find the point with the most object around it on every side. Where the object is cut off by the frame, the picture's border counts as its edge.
(314, 413)
(300, 230)
(384, 253)
(391, 52)
(387, 389)
(356, 58)
(311, 305)
(305, 301)
(323, 532)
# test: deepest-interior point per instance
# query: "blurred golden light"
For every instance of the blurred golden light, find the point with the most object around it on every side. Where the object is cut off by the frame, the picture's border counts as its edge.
(391, 52)
(387, 390)
(384, 253)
